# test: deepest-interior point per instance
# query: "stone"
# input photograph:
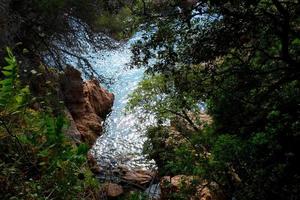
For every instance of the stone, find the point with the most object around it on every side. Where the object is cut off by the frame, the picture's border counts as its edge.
(138, 177)
(72, 131)
(204, 190)
(87, 102)
(172, 184)
(114, 190)
(93, 165)
(208, 191)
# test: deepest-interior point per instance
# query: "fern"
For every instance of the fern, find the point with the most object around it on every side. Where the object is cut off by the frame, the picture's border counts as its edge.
(11, 96)
(34, 152)
(7, 84)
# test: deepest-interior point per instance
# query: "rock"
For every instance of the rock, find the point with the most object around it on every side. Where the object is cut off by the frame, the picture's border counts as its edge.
(113, 190)
(100, 99)
(204, 193)
(72, 131)
(204, 190)
(153, 191)
(138, 177)
(87, 102)
(95, 168)
(208, 191)
(173, 184)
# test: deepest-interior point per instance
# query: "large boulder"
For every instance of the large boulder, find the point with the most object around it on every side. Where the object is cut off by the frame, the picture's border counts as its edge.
(87, 102)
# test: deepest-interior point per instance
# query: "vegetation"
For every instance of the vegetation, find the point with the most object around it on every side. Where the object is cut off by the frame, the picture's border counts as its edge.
(37, 160)
(240, 59)
(222, 83)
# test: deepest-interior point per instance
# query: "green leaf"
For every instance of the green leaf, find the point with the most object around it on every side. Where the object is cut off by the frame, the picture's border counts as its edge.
(82, 149)
(25, 51)
(43, 153)
(9, 61)
(9, 52)
(59, 164)
(7, 73)
(6, 82)
(23, 139)
(19, 99)
(296, 41)
(9, 67)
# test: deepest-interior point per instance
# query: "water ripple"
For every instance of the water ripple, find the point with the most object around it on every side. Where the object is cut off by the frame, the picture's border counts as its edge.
(122, 142)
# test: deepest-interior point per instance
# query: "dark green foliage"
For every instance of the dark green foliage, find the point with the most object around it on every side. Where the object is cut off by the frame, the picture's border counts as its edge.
(241, 59)
(136, 196)
(37, 160)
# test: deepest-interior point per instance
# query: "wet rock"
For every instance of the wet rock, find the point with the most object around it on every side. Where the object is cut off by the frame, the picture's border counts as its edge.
(87, 102)
(154, 192)
(114, 190)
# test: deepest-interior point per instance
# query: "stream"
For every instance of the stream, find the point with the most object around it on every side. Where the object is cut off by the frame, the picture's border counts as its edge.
(122, 141)
(121, 144)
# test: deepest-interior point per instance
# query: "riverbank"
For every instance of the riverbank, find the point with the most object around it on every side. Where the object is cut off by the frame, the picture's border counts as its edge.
(87, 105)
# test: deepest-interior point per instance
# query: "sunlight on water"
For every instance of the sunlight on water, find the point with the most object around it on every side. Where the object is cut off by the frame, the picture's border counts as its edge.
(122, 141)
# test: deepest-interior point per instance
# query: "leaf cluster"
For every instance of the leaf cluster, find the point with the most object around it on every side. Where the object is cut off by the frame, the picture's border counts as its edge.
(240, 60)
(37, 160)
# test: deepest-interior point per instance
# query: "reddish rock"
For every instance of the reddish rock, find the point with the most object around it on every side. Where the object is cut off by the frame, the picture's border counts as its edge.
(138, 177)
(87, 102)
(204, 190)
(173, 184)
(208, 191)
(113, 190)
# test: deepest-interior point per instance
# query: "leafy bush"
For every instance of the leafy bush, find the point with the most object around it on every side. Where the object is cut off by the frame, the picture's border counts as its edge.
(37, 160)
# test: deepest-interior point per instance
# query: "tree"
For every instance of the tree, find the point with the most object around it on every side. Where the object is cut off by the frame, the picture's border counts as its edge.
(241, 59)
(53, 32)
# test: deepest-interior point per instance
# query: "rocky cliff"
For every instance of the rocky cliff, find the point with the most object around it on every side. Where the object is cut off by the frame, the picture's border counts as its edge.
(88, 104)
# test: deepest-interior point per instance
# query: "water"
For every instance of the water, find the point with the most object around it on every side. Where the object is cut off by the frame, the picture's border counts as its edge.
(122, 141)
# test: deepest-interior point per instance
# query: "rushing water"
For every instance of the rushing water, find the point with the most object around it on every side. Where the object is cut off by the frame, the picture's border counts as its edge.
(122, 141)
